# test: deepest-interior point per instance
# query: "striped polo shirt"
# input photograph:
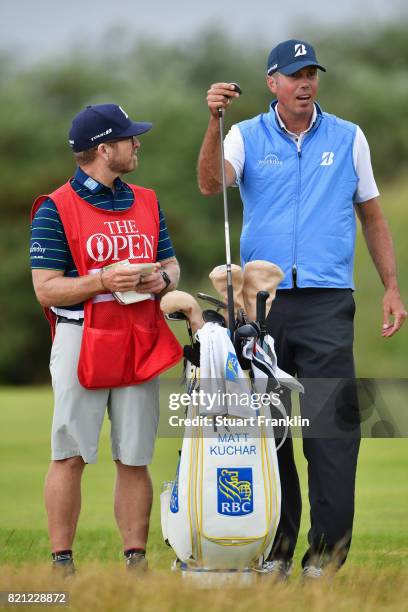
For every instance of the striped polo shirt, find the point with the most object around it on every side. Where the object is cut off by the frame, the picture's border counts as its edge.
(49, 248)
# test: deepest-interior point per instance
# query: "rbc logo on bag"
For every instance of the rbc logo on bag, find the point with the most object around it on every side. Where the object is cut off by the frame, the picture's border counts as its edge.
(235, 491)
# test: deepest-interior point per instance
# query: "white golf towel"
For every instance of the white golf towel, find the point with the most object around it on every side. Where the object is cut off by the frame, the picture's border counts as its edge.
(223, 383)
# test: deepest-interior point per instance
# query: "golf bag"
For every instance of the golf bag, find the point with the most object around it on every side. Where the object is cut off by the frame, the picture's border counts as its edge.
(223, 508)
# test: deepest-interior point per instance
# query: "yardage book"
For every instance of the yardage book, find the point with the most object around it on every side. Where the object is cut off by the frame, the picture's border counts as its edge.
(131, 297)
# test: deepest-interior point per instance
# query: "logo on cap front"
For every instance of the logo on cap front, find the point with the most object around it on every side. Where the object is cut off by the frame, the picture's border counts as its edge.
(300, 49)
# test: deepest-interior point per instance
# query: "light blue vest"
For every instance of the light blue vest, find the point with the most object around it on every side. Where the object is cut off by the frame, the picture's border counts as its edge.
(298, 206)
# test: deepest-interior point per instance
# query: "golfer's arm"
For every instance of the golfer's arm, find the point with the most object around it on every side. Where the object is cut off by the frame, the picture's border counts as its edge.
(379, 241)
(209, 162)
(172, 268)
(52, 288)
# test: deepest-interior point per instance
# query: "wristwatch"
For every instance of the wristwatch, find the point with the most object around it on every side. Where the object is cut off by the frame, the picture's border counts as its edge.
(166, 278)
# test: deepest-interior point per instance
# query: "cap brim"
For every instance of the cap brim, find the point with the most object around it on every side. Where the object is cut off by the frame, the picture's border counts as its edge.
(135, 129)
(292, 68)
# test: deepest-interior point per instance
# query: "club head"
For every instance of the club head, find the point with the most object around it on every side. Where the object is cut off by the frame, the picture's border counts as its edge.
(250, 330)
(212, 316)
(242, 334)
(175, 316)
(212, 300)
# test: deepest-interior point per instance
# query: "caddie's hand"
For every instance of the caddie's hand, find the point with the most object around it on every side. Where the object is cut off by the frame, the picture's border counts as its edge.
(392, 307)
(123, 278)
(220, 95)
(151, 283)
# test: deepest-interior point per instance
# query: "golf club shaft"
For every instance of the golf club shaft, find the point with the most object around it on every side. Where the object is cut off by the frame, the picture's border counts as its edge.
(230, 290)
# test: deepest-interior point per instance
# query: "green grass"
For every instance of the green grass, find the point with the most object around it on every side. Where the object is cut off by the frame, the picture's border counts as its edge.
(381, 533)
(108, 587)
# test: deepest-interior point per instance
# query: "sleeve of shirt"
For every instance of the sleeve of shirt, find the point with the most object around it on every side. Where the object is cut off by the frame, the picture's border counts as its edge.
(234, 151)
(165, 248)
(48, 244)
(367, 187)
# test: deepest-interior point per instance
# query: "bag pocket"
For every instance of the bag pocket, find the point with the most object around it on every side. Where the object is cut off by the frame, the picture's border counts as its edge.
(106, 358)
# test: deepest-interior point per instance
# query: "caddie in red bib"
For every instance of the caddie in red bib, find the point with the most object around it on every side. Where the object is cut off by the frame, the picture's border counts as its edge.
(121, 345)
(101, 258)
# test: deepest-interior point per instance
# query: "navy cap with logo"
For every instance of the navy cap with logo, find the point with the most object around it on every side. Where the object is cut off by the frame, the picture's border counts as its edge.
(100, 123)
(290, 56)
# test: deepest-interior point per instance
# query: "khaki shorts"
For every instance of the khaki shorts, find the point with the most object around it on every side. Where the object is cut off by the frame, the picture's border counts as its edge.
(79, 412)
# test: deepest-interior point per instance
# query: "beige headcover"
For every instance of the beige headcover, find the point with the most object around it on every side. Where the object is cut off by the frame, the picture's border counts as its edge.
(174, 301)
(218, 277)
(260, 275)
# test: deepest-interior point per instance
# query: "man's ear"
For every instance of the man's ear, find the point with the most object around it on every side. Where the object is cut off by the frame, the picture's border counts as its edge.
(271, 83)
(103, 151)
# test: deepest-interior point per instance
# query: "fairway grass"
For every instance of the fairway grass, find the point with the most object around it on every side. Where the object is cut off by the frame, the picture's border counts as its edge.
(105, 587)
(375, 576)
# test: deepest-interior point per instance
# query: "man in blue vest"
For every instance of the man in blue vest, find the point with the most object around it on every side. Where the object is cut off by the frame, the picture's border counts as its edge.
(302, 175)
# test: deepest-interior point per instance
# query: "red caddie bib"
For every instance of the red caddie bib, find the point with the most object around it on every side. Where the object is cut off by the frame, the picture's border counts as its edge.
(121, 345)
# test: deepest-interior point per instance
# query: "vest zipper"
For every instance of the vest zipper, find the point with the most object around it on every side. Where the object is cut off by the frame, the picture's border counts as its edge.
(294, 264)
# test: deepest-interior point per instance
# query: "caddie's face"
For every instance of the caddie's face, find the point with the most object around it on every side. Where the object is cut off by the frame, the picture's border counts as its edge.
(122, 156)
(296, 92)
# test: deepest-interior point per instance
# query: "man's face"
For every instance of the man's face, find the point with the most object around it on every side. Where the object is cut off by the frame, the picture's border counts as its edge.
(297, 92)
(123, 155)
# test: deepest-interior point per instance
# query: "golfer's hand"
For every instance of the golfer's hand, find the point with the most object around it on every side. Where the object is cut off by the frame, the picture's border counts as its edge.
(151, 283)
(220, 95)
(392, 307)
(123, 278)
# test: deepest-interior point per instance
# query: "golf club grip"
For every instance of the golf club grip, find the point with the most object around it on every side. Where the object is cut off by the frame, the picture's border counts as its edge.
(237, 90)
(261, 298)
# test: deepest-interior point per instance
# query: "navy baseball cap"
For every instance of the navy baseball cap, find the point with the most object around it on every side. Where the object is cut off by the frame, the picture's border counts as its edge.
(102, 122)
(290, 56)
